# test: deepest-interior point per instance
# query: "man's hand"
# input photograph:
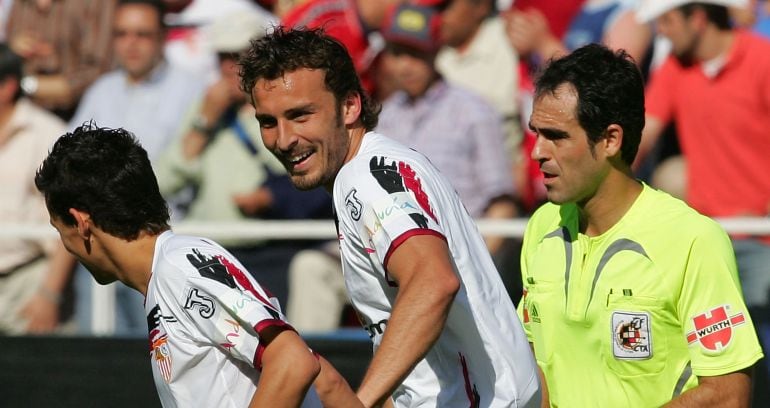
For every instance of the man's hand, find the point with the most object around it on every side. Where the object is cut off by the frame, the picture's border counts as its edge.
(42, 314)
(254, 203)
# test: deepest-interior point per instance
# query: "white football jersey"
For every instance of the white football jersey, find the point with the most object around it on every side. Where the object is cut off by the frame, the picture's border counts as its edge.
(388, 193)
(204, 314)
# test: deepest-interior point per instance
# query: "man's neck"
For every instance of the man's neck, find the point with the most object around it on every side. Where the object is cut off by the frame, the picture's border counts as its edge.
(133, 259)
(612, 200)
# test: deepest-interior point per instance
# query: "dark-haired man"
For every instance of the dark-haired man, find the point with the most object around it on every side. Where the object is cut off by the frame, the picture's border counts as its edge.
(417, 271)
(217, 338)
(627, 290)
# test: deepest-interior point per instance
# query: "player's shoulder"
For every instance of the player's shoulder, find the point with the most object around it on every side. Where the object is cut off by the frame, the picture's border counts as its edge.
(547, 217)
(667, 213)
(180, 256)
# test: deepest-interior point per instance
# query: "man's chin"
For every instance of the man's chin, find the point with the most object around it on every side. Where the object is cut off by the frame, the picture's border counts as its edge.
(303, 183)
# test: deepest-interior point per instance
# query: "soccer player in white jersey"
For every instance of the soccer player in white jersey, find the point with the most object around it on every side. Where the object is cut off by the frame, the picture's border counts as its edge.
(217, 338)
(445, 333)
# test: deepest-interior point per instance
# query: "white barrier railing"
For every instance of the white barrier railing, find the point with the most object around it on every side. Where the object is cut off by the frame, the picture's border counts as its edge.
(324, 229)
(104, 296)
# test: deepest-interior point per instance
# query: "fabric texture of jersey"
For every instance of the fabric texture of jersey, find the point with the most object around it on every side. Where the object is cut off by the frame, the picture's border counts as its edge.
(204, 314)
(386, 194)
(638, 312)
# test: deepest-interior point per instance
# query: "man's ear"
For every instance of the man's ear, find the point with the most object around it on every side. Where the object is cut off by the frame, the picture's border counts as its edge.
(613, 140)
(351, 108)
(82, 222)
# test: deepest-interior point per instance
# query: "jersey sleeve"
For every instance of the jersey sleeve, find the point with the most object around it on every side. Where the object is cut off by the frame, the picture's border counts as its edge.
(397, 202)
(229, 309)
(716, 323)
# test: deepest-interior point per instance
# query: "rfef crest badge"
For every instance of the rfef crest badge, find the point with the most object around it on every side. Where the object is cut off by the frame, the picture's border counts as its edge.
(714, 329)
(631, 336)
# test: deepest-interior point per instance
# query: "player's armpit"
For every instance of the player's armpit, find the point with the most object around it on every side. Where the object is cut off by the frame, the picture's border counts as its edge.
(288, 369)
(729, 390)
(332, 388)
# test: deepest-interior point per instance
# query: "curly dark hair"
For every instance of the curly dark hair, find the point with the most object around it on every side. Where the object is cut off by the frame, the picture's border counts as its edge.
(287, 50)
(610, 90)
(106, 173)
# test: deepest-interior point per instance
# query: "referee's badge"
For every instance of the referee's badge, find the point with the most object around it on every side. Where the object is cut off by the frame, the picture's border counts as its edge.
(631, 336)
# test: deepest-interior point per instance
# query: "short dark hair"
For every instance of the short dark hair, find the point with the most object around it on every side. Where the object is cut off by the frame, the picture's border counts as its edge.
(158, 5)
(715, 13)
(11, 66)
(610, 90)
(106, 173)
(286, 50)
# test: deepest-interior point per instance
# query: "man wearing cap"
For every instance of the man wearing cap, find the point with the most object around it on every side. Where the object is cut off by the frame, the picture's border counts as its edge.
(423, 114)
(219, 151)
(715, 86)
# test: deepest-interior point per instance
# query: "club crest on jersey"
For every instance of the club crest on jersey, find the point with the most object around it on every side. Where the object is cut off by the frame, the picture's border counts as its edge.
(354, 205)
(631, 336)
(714, 329)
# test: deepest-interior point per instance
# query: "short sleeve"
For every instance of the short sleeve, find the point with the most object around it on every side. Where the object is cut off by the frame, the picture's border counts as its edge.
(229, 310)
(716, 323)
(397, 202)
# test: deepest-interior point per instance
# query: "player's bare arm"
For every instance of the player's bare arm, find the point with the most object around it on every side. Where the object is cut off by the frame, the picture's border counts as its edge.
(288, 370)
(729, 390)
(332, 388)
(427, 286)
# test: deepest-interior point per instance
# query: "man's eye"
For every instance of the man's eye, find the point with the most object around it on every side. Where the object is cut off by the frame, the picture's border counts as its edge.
(266, 124)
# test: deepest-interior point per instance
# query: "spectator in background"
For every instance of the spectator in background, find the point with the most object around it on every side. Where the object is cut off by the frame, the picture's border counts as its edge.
(715, 87)
(30, 285)
(147, 96)
(187, 42)
(65, 45)
(352, 22)
(609, 22)
(477, 56)
(219, 151)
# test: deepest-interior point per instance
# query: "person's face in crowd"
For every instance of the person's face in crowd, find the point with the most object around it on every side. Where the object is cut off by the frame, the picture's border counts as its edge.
(572, 169)
(683, 32)
(82, 249)
(412, 70)
(461, 19)
(138, 39)
(304, 125)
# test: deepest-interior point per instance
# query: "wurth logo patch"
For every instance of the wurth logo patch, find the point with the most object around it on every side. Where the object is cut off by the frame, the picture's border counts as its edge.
(714, 329)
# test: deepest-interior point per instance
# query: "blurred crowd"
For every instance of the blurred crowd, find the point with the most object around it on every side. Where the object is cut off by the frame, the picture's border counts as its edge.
(454, 78)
